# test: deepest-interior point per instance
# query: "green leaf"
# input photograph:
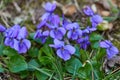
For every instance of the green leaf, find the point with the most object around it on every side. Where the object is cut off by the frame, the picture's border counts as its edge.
(47, 50)
(95, 45)
(9, 52)
(24, 74)
(40, 76)
(83, 55)
(45, 60)
(95, 37)
(73, 65)
(85, 72)
(17, 64)
(77, 52)
(33, 52)
(33, 62)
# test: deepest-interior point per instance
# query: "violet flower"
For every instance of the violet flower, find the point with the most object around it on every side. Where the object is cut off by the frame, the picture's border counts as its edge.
(54, 22)
(13, 31)
(74, 31)
(110, 48)
(22, 33)
(49, 7)
(10, 35)
(15, 37)
(57, 33)
(95, 20)
(63, 51)
(9, 42)
(88, 30)
(88, 11)
(84, 42)
(22, 46)
(42, 35)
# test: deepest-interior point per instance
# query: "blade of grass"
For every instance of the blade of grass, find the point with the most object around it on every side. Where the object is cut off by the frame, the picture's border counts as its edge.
(42, 71)
(74, 73)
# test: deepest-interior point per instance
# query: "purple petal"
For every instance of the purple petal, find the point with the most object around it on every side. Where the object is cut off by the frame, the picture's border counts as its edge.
(13, 31)
(22, 33)
(88, 11)
(112, 52)
(37, 34)
(69, 26)
(79, 32)
(89, 30)
(94, 24)
(22, 48)
(16, 26)
(84, 42)
(65, 22)
(27, 43)
(85, 31)
(65, 55)
(105, 44)
(96, 19)
(55, 19)
(70, 48)
(75, 25)
(62, 30)
(16, 45)
(50, 7)
(2, 28)
(57, 34)
(57, 43)
(93, 29)
(52, 34)
(41, 24)
(43, 39)
(72, 26)
(45, 17)
(74, 35)
(7, 41)
(69, 34)
(45, 33)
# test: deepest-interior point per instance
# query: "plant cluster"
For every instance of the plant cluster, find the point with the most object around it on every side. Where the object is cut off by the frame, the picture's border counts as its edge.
(80, 49)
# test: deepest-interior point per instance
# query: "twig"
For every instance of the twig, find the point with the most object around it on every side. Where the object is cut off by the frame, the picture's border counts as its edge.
(17, 7)
(4, 19)
(115, 70)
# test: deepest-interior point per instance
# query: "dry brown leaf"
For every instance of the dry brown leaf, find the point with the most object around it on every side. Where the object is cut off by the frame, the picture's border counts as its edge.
(111, 63)
(105, 13)
(69, 10)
